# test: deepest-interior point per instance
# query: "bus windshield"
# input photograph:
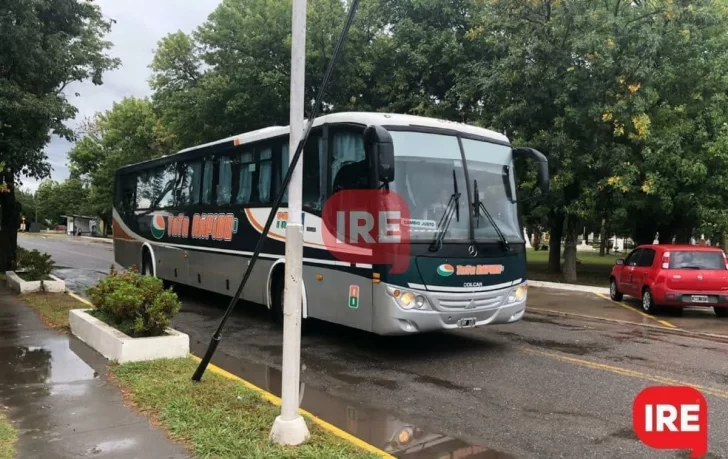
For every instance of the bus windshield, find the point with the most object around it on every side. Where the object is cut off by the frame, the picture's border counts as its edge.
(427, 166)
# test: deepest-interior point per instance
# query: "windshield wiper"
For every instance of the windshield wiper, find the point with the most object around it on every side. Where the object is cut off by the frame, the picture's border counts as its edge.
(453, 207)
(477, 207)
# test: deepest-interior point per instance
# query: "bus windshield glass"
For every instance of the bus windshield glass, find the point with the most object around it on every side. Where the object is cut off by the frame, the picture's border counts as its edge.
(428, 164)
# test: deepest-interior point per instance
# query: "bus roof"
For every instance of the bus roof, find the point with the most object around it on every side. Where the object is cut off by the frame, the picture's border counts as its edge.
(362, 118)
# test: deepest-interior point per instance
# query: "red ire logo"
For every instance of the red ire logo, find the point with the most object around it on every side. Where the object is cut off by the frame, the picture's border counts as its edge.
(365, 226)
(672, 417)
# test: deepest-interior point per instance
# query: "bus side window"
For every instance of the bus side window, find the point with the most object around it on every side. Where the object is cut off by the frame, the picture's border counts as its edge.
(144, 190)
(245, 178)
(164, 186)
(190, 178)
(349, 168)
(313, 174)
(224, 180)
(207, 176)
(264, 174)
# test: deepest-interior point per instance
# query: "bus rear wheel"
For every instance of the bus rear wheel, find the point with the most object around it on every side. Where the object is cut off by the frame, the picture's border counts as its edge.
(276, 306)
(147, 267)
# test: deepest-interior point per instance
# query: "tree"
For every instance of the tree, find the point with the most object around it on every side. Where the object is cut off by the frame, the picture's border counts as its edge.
(130, 132)
(46, 46)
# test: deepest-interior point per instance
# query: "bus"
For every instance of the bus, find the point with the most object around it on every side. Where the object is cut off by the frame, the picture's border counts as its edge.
(194, 218)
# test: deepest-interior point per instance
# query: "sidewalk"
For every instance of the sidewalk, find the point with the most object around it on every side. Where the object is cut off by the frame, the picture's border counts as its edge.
(59, 400)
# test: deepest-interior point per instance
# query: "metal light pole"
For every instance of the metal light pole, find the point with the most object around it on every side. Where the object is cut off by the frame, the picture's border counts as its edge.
(290, 428)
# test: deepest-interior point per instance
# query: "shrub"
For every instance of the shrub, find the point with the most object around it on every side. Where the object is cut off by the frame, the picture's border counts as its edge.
(135, 304)
(36, 266)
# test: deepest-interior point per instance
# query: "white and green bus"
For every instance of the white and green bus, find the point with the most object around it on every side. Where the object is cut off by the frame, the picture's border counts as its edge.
(194, 218)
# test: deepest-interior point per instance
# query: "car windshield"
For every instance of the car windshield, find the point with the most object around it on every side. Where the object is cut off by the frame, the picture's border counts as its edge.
(686, 259)
(426, 164)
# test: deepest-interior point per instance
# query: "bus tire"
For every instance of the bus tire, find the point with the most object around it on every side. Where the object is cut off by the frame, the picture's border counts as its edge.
(276, 305)
(147, 267)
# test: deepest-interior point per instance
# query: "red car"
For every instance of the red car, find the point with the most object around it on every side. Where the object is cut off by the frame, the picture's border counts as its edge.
(673, 276)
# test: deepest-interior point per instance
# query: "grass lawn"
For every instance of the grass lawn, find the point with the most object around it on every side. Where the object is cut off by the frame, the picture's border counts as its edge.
(593, 270)
(53, 308)
(218, 417)
(7, 439)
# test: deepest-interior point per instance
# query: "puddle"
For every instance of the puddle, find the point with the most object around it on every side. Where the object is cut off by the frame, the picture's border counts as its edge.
(376, 427)
(575, 348)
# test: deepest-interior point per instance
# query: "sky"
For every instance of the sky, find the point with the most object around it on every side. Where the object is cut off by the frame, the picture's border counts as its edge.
(140, 24)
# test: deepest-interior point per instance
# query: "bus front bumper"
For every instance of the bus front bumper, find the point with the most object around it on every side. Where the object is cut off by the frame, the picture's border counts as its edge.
(445, 310)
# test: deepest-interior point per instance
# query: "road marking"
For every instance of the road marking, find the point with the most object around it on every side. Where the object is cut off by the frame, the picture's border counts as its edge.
(631, 308)
(629, 373)
(677, 331)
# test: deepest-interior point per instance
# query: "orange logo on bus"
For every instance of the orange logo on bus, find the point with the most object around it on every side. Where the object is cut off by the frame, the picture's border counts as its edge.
(218, 227)
(178, 226)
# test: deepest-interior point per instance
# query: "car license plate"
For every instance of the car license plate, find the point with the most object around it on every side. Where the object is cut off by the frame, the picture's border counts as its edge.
(466, 323)
(700, 298)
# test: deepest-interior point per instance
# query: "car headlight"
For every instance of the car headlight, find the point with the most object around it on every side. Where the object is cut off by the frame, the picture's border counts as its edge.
(519, 294)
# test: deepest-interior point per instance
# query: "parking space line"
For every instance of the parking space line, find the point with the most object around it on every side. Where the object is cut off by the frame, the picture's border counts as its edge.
(643, 314)
(627, 372)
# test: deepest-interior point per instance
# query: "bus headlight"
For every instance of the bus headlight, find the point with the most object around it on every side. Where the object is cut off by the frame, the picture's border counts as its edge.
(420, 301)
(518, 294)
(406, 300)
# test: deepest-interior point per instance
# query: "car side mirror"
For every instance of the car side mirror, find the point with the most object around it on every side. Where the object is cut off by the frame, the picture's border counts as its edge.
(542, 165)
(619, 261)
(380, 148)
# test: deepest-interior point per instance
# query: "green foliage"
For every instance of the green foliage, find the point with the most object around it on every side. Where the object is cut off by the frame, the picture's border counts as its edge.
(46, 45)
(34, 265)
(135, 304)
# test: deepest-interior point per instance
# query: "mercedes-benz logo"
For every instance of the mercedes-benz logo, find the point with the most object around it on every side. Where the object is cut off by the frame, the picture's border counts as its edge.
(473, 251)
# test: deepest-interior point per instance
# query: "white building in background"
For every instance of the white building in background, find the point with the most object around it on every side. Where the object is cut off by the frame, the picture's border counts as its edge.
(81, 225)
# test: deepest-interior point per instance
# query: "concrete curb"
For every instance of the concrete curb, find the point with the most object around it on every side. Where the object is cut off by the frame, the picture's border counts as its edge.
(676, 331)
(568, 287)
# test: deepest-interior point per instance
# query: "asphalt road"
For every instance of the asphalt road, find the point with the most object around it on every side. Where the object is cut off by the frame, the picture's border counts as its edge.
(544, 387)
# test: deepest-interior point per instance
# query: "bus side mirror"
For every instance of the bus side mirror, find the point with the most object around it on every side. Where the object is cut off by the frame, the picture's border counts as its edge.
(542, 165)
(379, 146)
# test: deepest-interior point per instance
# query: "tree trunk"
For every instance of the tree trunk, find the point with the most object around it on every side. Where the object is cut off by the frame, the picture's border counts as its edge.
(537, 238)
(683, 235)
(9, 224)
(569, 268)
(557, 231)
(603, 238)
(666, 234)
(644, 234)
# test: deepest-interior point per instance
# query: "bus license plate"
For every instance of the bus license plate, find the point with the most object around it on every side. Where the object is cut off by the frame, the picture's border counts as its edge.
(466, 323)
(700, 298)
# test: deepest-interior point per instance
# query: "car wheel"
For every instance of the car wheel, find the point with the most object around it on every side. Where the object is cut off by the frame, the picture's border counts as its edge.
(720, 312)
(648, 303)
(614, 294)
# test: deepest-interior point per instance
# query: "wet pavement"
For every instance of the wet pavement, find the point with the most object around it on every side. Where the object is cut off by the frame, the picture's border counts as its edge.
(700, 320)
(59, 400)
(543, 387)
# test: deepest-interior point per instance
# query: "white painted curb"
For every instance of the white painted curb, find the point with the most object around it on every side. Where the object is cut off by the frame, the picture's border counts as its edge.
(18, 285)
(115, 345)
(569, 287)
